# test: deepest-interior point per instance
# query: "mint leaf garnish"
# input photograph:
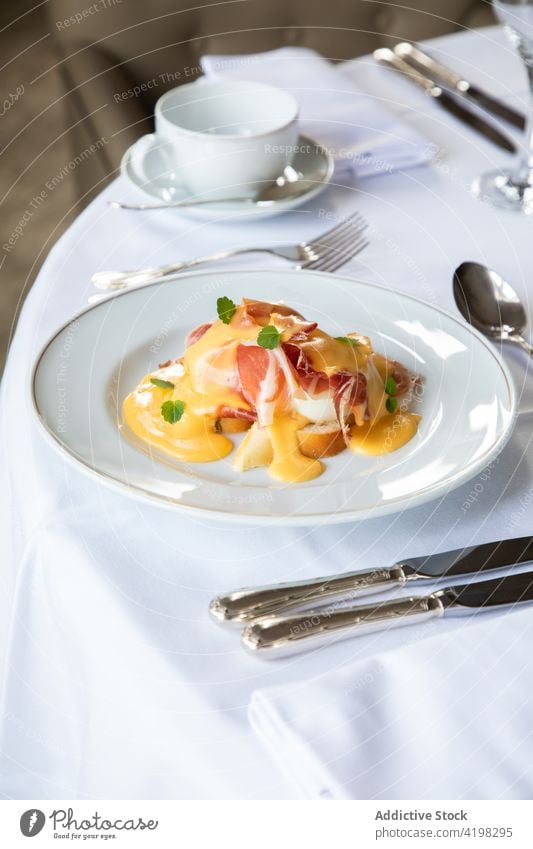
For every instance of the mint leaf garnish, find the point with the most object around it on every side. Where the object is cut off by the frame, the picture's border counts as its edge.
(225, 309)
(269, 337)
(172, 411)
(162, 384)
(391, 404)
(390, 386)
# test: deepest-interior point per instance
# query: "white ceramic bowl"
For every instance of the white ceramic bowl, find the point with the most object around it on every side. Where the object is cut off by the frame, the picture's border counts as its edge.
(228, 136)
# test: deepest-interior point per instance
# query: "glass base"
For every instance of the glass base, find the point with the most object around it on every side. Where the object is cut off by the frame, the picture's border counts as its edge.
(505, 189)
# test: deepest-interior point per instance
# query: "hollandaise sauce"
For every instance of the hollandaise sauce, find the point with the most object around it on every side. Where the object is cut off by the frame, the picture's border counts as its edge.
(384, 435)
(288, 463)
(177, 409)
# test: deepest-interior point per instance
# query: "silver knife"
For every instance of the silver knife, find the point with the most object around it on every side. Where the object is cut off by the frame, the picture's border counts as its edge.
(412, 53)
(284, 635)
(248, 604)
(446, 100)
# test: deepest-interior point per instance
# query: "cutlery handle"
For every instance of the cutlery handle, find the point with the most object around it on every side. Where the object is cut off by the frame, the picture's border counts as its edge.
(144, 207)
(247, 604)
(389, 57)
(406, 50)
(304, 631)
(115, 280)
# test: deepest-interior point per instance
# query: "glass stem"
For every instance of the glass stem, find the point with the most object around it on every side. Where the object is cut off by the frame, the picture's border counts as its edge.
(525, 170)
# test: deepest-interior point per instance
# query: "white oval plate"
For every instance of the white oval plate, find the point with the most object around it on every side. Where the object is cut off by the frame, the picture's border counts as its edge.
(85, 371)
(148, 167)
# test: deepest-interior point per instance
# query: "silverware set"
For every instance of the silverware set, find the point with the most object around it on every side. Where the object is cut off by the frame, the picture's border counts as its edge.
(288, 618)
(455, 82)
(452, 92)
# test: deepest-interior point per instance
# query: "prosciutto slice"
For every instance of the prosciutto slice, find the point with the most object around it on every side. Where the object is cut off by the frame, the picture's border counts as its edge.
(260, 311)
(197, 334)
(349, 391)
(314, 382)
(262, 381)
(401, 376)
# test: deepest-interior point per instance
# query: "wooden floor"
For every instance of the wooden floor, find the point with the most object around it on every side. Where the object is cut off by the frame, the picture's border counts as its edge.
(32, 151)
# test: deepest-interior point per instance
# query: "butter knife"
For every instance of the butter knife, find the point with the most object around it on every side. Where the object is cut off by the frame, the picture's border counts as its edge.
(450, 103)
(284, 635)
(412, 53)
(247, 604)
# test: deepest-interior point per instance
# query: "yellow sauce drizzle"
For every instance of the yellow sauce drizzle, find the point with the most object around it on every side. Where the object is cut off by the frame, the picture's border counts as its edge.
(330, 355)
(384, 435)
(191, 439)
(289, 464)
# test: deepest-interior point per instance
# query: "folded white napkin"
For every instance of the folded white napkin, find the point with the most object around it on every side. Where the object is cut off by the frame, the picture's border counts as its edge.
(424, 721)
(364, 136)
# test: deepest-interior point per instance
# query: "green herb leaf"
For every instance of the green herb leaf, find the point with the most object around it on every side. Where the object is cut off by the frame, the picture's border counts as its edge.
(172, 411)
(390, 386)
(347, 340)
(162, 384)
(269, 337)
(225, 309)
(391, 404)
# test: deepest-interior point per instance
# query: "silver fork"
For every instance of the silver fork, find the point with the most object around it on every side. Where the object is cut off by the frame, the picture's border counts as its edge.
(325, 253)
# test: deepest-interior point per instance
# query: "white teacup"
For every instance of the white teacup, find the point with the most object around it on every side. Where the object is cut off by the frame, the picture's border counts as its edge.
(228, 136)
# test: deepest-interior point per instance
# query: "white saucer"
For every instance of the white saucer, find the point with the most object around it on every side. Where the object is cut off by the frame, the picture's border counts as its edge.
(148, 167)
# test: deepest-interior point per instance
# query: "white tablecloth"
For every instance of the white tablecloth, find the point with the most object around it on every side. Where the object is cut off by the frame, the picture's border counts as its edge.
(116, 682)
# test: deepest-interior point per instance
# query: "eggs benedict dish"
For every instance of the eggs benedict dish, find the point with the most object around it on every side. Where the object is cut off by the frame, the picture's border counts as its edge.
(298, 394)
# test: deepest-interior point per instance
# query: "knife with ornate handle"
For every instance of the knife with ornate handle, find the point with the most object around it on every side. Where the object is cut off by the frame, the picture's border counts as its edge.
(247, 604)
(412, 53)
(284, 635)
(446, 100)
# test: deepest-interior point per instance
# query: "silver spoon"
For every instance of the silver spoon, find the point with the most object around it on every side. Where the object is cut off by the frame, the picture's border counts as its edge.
(290, 184)
(490, 304)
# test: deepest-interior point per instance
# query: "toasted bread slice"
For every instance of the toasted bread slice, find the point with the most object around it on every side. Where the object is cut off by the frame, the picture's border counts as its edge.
(230, 425)
(255, 450)
(321, 440)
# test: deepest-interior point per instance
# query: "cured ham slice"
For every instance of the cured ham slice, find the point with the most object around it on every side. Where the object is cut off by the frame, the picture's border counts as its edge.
(197, 334)
(401, 376)
(262, 381)
(314, 382)
(260, 311)
(349, 393)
